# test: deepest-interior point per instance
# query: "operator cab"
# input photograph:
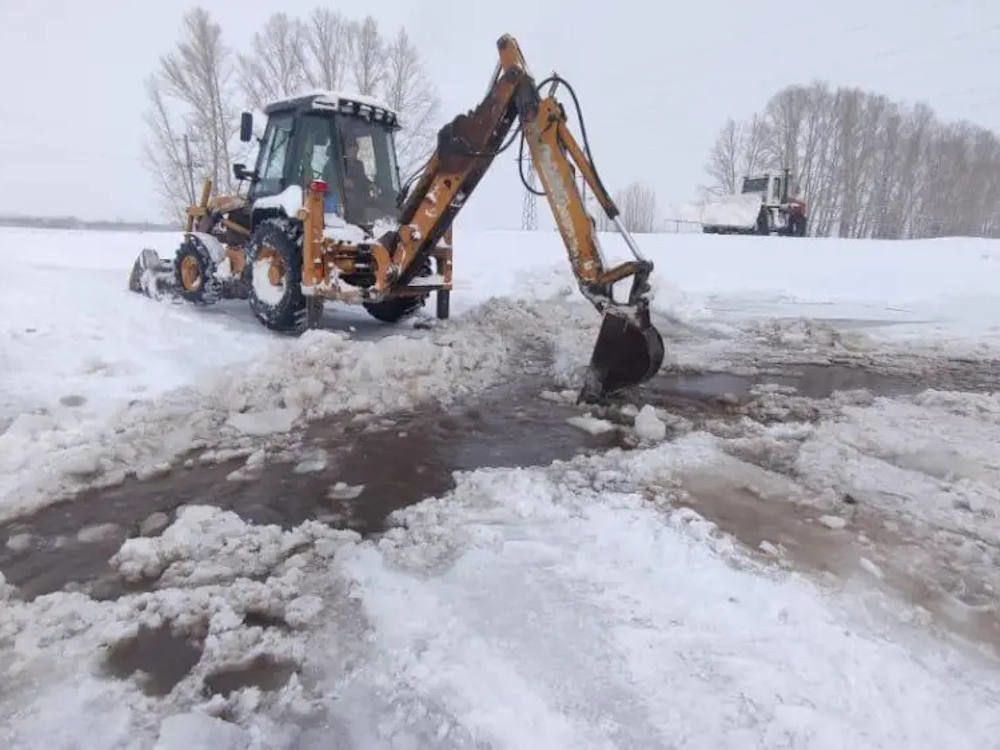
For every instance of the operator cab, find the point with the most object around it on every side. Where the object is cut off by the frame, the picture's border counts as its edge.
(346, 142)
(772, 188)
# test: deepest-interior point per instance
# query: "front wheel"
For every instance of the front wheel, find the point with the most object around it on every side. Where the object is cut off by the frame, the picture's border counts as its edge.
(274, 258)
(194, 272)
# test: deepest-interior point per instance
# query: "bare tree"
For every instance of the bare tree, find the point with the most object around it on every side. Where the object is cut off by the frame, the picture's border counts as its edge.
(754, 146)
(328, 48)
(868, 167)
(165, 154)
(637, 204)
(275, 67)
(739, 149)
(192, 116)
(410, 93)
(367, 57)
(724, 158)
(191, 96)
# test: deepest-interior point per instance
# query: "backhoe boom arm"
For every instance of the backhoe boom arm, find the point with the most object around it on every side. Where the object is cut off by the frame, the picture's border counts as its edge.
(629, 350)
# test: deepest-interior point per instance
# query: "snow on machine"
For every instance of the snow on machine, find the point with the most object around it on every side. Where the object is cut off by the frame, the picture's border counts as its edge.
(762, 207)
(324, 217)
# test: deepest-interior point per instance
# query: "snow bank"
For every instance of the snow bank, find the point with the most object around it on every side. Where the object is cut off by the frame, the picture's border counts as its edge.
(567, 606)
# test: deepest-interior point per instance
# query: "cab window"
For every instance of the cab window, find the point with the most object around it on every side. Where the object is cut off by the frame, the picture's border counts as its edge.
(274, 152)
(317, 158)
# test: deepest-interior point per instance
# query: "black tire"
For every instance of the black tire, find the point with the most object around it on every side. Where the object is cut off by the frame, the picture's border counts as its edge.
(799, 225)
(395, 309)
(443, 304)
(763, 221)
(194, 272)
(279, 306)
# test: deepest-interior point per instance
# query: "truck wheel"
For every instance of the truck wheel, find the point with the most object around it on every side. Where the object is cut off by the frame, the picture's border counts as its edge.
(274, 257)
(194, 272)
(763, 222)
(443, 304)
(395, 309)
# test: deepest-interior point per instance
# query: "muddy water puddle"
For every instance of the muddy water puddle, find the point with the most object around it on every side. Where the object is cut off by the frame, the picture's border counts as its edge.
(775, 525)
(367, 471)
(808, 380)
(265, 672)
(159, 658)
(362, 471)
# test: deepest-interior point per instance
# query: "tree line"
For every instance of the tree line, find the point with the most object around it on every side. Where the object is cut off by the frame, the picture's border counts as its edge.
(200, 87)
(867, 166)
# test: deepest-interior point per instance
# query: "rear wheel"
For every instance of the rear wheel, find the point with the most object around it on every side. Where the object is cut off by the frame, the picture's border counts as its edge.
(194, 272)
(395, 309)
(274, 259)
(764, 221)
(797, 225)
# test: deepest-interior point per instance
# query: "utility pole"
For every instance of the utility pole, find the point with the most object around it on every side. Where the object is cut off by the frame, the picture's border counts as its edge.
(190, 168)
(529, 213)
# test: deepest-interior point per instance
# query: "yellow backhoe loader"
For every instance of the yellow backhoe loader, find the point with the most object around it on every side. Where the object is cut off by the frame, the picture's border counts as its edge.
(325, 218)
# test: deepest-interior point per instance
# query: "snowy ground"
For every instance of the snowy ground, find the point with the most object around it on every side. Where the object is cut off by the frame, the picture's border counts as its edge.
(784, 570)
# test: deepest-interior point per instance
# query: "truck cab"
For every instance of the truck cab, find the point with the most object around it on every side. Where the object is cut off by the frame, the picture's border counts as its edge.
(346, 142)
(772, 188)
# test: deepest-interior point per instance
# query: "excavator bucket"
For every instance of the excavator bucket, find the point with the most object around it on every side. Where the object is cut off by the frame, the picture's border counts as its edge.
(629, 351)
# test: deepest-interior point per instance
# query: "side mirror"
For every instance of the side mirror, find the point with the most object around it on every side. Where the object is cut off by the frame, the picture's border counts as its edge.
(240, 172)
(246, 127)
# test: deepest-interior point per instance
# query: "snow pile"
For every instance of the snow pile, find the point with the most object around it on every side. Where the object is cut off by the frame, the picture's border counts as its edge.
(591, 424)
(561, 608)
(207, 545)
(648, 426)
(320, 373)
(931, 458)
(738, 210)
(221, 578)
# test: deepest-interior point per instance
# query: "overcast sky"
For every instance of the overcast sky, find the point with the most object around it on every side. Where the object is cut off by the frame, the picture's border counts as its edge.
(656, 78)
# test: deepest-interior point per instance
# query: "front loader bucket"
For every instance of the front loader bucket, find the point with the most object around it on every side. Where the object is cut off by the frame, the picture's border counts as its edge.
(151, 275)
(629, 351)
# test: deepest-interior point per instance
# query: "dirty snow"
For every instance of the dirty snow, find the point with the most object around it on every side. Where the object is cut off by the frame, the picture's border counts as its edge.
(568, 606)
(591, 424)
(648, 426)
(583, 604)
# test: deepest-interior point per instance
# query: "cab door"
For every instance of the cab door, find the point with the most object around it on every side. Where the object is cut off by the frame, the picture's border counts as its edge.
(273, 157)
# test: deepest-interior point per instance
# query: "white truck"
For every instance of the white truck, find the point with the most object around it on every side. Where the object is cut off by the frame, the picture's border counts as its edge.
(763, 206)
